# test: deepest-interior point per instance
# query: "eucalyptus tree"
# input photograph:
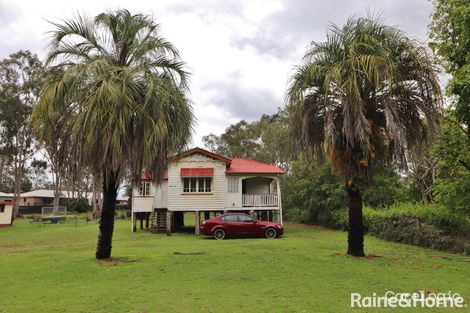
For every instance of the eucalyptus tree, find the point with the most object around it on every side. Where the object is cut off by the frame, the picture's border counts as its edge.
(449, 34)
(20, 84)
(122, 89)
(367, 93)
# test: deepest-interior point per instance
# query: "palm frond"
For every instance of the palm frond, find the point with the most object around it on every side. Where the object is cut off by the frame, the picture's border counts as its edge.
(121, 90)
(367, 90)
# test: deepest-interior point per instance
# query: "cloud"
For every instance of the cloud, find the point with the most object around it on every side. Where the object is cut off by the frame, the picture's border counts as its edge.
(240, 52)
(240, 101)
(299, 22)
(8, 14)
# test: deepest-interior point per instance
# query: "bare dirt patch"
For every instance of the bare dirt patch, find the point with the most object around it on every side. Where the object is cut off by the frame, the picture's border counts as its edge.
(118, 261)
(190, 253)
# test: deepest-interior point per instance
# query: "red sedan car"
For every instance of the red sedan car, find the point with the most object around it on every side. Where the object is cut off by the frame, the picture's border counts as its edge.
(239, 225)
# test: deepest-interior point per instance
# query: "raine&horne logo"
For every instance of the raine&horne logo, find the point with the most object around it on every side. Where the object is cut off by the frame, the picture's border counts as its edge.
(421, 299)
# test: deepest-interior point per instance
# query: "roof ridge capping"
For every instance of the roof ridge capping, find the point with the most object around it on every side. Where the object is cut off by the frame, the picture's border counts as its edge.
(203, 152)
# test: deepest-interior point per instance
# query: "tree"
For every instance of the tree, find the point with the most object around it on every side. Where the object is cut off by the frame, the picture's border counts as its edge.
(122, 88)
(452, 187)
(238, 140)
(55, 138)
(450, 40)
(38, 175)
(368, 93)
(265, 140)
(20, 84)
(312, 193)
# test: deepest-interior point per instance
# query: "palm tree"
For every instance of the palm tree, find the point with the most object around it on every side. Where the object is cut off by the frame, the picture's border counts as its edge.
(122, 88)
(367, 93)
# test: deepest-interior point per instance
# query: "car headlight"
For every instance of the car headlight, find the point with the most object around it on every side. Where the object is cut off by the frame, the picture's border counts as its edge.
(203, 222)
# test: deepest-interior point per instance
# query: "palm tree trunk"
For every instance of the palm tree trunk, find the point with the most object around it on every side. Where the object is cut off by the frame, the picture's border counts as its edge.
(105, 237)
(356, 226)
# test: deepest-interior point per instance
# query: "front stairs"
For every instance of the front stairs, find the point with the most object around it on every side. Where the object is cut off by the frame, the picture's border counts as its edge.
(158, 221)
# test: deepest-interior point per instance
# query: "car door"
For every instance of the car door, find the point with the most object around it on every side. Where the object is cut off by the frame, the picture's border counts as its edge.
(232, 225)
(248, 226)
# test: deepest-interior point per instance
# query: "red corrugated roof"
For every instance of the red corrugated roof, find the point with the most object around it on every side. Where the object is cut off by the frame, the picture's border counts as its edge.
(241, 165)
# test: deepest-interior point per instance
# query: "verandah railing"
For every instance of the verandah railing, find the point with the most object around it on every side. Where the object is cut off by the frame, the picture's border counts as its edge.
(259, 200)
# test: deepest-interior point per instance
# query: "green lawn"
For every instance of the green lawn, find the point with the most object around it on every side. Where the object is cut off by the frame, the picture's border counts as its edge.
(52, 269)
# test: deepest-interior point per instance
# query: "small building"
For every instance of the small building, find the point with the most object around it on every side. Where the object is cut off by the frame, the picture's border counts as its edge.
(6, 211)
(45, 197)
(39, 197)
(206, 183)
(5, 197)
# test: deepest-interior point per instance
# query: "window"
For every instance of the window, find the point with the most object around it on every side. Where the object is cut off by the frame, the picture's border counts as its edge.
(245, 219)
(229, 219)
(232, 184)
(144, 188)
(197, 184)
(193, 183)
(201, 183)
(2, 208)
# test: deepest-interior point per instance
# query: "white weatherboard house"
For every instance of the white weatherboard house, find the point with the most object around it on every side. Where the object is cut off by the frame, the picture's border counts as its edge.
(201, 181)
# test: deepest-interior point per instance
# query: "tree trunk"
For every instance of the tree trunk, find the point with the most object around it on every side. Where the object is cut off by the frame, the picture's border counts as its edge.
(17, 189)
(57, 193)
(105, 237)
(94, 199)
(356, 226)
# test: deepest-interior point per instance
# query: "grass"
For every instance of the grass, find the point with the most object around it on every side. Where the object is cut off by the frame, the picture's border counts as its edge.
(52, 268)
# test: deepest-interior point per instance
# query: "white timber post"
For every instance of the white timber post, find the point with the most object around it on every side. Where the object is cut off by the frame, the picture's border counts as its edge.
(133, 223)
(168, 223)
(240, 190)
(198, 221)
(279, 202)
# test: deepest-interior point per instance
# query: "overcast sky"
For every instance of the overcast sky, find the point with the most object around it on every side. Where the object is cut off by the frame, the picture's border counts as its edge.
(240, 53)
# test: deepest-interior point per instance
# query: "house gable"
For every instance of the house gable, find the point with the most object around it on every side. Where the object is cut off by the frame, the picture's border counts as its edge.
(199, 151)
(197, 162)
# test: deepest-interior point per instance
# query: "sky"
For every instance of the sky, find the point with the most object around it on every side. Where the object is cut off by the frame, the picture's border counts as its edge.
(240, 53)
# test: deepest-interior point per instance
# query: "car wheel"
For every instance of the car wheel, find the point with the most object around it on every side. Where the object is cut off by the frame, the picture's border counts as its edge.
(219, 234)
(270, 233)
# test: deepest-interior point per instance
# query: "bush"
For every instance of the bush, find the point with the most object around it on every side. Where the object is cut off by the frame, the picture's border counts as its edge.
(449, 222)
(409, 229)
(385, 188)
(454, 193)
(78, 205)
(423, 225)
(314, 196)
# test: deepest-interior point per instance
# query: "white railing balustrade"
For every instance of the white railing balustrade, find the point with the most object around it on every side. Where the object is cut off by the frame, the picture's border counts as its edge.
(268, 200)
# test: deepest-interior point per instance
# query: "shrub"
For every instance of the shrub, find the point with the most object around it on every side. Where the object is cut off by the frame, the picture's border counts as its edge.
(385, 188)
(454, 193)
(449, 222)
(78, 205)
(313, 196)
(408, 229)
(418, 224)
